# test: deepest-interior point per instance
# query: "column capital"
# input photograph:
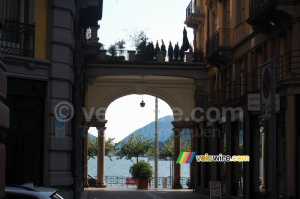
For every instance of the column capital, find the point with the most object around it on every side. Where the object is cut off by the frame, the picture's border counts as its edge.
(183, 125)
(97, 123)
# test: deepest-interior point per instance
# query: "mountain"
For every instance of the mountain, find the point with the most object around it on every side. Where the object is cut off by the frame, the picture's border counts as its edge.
(164, 129)
(91, 137)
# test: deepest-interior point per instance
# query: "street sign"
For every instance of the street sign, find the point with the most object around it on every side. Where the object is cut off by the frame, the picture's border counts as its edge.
(253, 101)
(266, 87)
(60, 130)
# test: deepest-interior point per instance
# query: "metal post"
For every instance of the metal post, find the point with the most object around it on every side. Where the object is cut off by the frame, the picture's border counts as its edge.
(273, 132)
(156, 143)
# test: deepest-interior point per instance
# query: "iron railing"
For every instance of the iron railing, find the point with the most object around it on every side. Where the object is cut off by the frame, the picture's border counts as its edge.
(288, 66)
(221, 38)
(121, 181)
(190, 9)
(17, 39)
(258, 5)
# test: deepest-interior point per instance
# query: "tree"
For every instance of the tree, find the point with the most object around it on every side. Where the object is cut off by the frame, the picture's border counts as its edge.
(109, 147)
(150, 52)
(167, 151)
(136, 146)
(163, 48)
(176, 51)
(93, 147)
(157, 49)
(170, 51)
(112, 50)
(121, 46)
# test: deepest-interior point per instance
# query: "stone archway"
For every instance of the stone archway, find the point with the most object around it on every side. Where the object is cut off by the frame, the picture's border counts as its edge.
(177, 92)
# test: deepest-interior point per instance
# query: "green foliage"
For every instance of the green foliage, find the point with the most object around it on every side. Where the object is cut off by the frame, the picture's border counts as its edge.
(141, 170)
(150, 52)
(176, 51)
(121, 46)
(93, 147)
(167, 152)
(136, 146)
(118, 46)
(170, 51)
(163, 48)
(110, 147)
(112, 50)
(157, 49)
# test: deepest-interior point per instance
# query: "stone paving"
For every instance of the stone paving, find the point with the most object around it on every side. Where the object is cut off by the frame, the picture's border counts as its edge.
(133, 192)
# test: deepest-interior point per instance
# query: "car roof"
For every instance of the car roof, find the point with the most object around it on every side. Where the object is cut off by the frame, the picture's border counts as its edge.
(29, 189)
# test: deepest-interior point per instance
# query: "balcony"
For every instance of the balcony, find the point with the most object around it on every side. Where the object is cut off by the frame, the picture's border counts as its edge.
(17, 39)
(218, 47)
(194, 16)
(266, 16)
(287, 71)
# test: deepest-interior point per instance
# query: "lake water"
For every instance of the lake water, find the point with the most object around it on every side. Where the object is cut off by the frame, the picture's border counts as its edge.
(120, 168)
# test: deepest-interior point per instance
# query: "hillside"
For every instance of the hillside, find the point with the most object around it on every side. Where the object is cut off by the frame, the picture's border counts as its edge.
(148, 131)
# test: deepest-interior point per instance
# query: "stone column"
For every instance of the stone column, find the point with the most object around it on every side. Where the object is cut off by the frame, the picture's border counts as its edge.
(4, 123)
(94, 38)
(100, 158)
(192, 165)
(86, 129)
(177, 167)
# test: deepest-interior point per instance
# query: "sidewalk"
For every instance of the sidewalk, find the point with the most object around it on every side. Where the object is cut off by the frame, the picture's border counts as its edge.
(133, 192)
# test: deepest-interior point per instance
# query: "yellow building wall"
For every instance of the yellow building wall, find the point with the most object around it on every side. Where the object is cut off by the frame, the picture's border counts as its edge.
(40, 19)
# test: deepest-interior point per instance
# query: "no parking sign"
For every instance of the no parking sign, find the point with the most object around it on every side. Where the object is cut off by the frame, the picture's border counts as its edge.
(267, 87)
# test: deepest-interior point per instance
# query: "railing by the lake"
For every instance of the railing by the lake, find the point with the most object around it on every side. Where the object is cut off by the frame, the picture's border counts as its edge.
(121, 181)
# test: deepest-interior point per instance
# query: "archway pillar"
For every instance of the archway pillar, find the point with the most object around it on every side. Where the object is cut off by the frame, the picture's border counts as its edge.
(100, 125)
(85, 130)
(178, 126)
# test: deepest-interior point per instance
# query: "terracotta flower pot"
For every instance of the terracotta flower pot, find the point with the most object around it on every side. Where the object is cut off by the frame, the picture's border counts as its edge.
(142, 184)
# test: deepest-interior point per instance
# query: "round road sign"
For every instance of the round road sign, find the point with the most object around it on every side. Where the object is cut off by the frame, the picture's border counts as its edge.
(266, 83)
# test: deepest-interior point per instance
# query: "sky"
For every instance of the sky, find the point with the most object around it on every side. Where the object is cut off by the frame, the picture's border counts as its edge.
(160, 19)
(125, 115)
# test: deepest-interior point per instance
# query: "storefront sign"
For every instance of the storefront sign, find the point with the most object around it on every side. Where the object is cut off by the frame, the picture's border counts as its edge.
(254, 102)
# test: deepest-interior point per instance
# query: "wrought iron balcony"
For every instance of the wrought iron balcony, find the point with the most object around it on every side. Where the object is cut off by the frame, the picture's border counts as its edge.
(194, 16)
(268, 15)
(17, 39)
(218, 47)
(287, 68)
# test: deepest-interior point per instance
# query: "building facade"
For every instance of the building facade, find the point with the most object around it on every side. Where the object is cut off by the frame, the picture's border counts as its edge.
(41, 66)
(237, 37)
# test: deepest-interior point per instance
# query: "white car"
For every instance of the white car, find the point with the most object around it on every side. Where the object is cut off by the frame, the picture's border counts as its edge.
(28, 191)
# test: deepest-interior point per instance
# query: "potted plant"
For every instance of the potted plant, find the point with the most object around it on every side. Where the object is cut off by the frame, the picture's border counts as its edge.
(142, 171)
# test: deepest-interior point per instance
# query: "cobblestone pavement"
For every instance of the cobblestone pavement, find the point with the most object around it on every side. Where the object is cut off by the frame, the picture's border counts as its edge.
(129, 193)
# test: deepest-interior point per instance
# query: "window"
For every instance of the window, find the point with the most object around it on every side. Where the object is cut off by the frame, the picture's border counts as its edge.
(17, 10)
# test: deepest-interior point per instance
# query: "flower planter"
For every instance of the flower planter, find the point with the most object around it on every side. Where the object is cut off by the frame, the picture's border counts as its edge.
(142, 184)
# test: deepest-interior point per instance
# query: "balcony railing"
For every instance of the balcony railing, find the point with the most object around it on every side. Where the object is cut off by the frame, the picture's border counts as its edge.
(256, 5)
(221, 38)
(288, 66)
(17, 39)
(190, 9)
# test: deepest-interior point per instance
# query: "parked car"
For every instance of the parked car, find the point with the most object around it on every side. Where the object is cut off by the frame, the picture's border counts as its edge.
(28, 191)
(92, 181)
